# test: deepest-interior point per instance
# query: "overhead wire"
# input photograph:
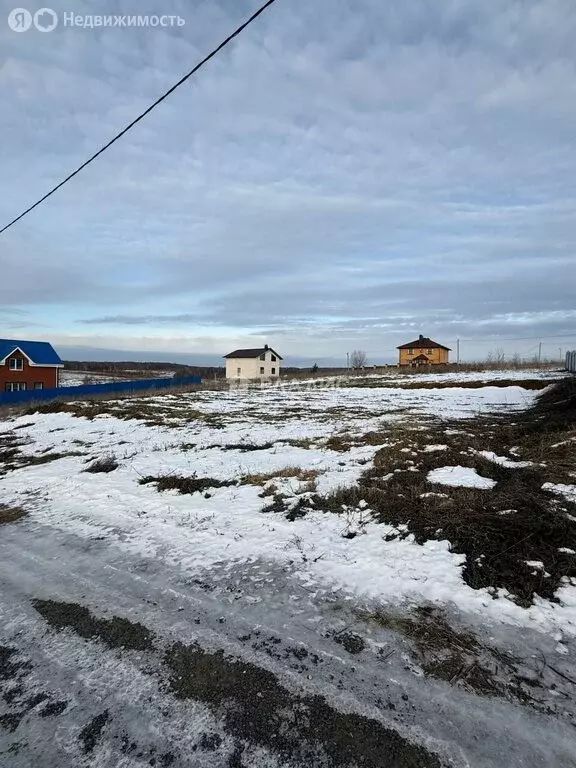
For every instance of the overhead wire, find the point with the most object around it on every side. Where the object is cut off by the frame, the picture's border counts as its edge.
(142, 115)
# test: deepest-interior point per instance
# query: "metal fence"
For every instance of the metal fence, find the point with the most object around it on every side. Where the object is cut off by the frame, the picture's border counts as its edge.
(29, 395)
(571, 361)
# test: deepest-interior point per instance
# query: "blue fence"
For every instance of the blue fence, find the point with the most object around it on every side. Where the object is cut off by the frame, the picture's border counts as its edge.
(12, 398)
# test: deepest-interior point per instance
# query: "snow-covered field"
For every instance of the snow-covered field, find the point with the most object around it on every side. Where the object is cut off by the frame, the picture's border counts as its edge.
(248, 440)
(400, 376)
(77, 378)
(226, 524)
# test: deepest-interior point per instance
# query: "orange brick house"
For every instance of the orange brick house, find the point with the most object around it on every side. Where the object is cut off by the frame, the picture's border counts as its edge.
(28, 365)
(423, 351)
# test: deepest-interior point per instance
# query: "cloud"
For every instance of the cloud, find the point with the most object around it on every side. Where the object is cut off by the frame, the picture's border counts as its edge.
(344, 172)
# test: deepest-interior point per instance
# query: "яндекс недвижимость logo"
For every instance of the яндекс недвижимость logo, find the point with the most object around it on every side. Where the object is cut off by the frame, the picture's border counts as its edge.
(21, 20)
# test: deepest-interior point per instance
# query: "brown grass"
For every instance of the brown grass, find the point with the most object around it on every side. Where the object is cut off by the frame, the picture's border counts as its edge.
(496, 542)
(396, 384)
(304, 475)
(457, 656)
(11, 514)
(344, 441)
(11, 457)
(184, 485)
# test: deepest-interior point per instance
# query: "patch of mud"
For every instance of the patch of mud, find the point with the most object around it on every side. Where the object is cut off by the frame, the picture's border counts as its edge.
(304, 730)
(16, 693)
(11, 666)
(115, 632)
(297, 658)
(53, 709)
(350, 641)
(91, 733)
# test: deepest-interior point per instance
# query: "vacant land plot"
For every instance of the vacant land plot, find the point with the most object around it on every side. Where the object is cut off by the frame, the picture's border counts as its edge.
(321, 575)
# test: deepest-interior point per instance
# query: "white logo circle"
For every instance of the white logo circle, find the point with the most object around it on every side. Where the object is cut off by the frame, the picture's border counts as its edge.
(19, 20)
(45, 20)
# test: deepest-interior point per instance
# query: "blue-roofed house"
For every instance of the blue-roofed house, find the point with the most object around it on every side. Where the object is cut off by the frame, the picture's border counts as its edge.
(28, 365)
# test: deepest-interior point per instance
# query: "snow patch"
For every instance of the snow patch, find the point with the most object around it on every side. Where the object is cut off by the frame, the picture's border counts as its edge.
(465, 477)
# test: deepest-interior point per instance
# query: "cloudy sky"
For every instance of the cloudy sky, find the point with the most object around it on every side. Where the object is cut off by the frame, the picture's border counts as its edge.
(347, 174)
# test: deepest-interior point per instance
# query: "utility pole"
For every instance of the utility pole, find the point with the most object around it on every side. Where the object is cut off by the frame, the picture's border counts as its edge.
(560, 354)
(347, 361)
(457, 350)
(540, 352)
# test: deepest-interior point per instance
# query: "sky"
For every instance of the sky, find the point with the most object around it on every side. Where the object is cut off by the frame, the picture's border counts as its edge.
(346, 175)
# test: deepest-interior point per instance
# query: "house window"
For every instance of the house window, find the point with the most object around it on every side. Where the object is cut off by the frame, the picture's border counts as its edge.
(38, 385)
(238, 371)
(261, 370)
(410, 351)
(429, 352)
(15, 386)
(273, 358)
(16, 364)
(263, 357)
(273, 371)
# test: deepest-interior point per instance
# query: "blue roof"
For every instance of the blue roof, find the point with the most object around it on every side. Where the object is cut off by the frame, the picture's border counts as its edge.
(39, 352)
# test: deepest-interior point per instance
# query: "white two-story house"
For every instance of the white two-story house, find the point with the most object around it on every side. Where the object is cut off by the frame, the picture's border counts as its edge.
(261, 363)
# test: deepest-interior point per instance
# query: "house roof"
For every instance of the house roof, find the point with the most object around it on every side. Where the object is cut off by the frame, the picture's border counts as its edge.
(38, 352)
(423, 342)
(420, 358)
(252, 353)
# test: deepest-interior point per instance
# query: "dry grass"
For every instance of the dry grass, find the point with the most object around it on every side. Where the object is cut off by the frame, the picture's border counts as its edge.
(498, 531)
(301, 442)
(303, 475)
(153, 414)
(457, 656)
(184, 485)
(11, 514)
(398, 384)
(11, 457)
(344, 441)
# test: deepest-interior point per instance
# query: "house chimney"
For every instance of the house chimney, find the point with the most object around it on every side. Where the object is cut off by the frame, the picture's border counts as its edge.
(265, 346)
(420, 337)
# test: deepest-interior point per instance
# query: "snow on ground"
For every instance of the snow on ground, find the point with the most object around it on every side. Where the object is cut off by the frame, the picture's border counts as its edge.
(465, 477)
(396, 375)
(77, 378)
(226, 525)
(503, 461)
(568, 491)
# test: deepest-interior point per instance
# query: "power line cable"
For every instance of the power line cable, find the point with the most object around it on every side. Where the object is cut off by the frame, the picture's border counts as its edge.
(182, 80)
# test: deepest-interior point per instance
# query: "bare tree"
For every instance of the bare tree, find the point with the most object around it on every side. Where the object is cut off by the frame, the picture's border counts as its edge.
(500, 356)
(358, 358)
